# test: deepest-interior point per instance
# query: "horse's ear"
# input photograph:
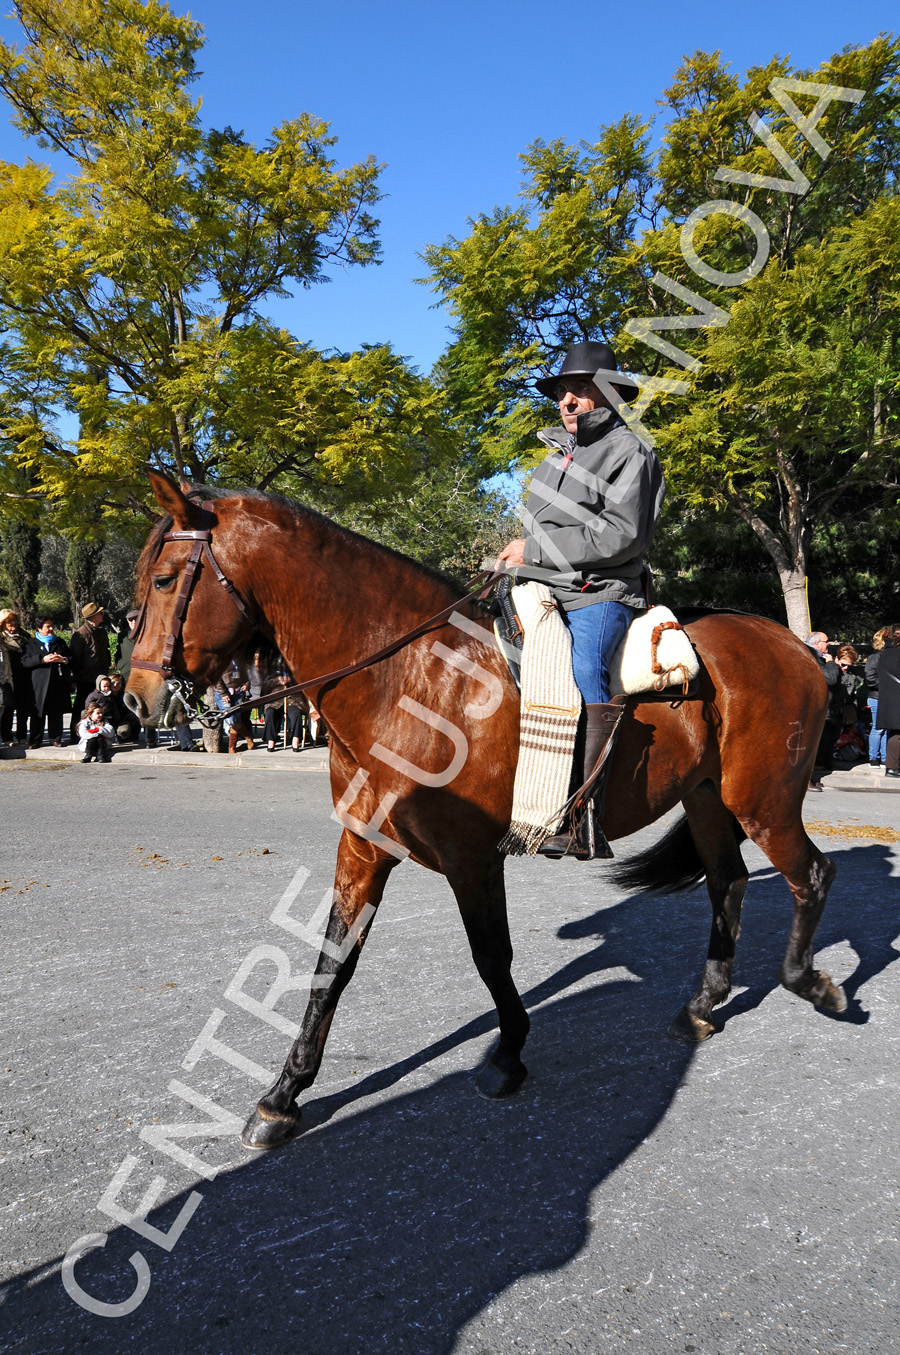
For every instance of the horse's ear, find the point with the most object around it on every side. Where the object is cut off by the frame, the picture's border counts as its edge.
(173, 500)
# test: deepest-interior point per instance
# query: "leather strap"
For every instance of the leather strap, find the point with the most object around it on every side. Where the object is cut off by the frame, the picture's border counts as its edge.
(483, 583)
(201, 538)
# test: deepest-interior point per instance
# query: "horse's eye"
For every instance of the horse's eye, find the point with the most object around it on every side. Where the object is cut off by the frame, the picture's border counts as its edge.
(164, 581)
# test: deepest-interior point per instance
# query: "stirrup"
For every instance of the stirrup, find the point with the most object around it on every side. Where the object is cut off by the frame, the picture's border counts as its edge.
(585, 840)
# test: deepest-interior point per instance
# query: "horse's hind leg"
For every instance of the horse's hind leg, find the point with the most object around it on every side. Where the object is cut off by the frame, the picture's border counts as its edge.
(481, 896)
(714, 830)
(362, 872)
(809, 874)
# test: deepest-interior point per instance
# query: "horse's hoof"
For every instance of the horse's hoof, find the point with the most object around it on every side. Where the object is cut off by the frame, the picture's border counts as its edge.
(833, 998)
(691, 1029)
(494, 1082)
(262, 1131)
(822, 993)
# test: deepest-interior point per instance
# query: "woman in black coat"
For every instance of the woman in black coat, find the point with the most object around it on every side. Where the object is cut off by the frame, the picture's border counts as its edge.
(46, 656)
(889, 698)
(19, 699)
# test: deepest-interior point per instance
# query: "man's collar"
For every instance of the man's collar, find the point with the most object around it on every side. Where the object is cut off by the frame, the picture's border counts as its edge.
(594, 424)
(591, 426)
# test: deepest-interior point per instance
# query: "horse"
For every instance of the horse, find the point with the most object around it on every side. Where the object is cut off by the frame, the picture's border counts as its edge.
(424, 742)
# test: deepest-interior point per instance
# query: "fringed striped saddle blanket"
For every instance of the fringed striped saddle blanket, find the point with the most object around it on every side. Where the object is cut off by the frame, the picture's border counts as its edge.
(655, 654)
(548, 721)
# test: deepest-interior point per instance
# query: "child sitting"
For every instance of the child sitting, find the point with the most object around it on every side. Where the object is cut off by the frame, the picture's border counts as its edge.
(95, 735)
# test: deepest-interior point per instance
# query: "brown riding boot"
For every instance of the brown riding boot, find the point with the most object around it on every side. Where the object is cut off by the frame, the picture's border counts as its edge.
(581, 835)
(232, 740)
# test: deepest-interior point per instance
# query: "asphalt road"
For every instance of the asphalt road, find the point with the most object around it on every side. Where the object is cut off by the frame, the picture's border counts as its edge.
(637, 1195)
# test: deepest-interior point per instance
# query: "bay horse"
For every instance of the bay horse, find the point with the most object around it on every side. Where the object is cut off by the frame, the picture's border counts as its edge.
(423, 748)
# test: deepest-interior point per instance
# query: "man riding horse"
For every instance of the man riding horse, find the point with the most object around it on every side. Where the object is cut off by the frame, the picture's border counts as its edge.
(591, 513)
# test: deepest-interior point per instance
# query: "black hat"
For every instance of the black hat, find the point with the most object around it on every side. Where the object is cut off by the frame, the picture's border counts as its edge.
(591, 359)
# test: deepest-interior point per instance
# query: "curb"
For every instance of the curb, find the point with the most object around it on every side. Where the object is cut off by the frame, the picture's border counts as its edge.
(308, 759)
(872, 780)
(866, 781)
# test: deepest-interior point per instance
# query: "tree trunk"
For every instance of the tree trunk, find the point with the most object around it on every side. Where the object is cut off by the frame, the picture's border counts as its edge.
(213, 737)
(790, 556)
(82, 565)
(793, 585)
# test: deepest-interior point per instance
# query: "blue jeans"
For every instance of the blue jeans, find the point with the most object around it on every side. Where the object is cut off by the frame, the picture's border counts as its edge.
(877, 737)
(597, 631)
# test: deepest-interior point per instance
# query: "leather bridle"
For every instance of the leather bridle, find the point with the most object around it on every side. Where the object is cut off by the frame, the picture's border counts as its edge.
(201, 549)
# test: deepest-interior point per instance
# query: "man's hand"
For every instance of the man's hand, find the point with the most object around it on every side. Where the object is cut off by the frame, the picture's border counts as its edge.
(514, 553)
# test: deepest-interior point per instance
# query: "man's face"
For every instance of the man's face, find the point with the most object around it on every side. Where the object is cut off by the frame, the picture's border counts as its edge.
(576, 395)
(46, 628)
(822, 645)
(97, 619)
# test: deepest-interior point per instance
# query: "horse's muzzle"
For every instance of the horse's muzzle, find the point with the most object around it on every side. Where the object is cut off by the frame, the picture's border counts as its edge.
(150, 716)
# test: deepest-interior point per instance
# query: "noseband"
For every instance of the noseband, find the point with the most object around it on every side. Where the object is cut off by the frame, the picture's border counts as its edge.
(201, 549)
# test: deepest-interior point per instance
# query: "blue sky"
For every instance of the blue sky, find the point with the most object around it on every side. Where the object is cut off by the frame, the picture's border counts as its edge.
(448, 96)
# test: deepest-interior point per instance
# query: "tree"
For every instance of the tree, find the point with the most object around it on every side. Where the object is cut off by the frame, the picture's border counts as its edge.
(82, 568)
(20, 566)
(791, 419)
(131, 291)
(445, 517)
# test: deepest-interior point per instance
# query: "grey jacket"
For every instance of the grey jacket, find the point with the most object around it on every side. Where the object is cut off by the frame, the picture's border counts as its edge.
(592, 511)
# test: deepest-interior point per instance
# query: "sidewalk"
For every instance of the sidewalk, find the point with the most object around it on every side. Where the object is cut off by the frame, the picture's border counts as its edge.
(861, 778)
(169, 755)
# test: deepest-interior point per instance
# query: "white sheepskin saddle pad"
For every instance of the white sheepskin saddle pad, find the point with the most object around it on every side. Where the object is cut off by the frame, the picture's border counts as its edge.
(655, 654)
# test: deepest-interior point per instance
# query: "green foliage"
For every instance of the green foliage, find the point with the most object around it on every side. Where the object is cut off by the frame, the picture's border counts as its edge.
(699, 558)
(82, 567)
(445, 518)
(130, 291)
(791, 421)
(20, 566)
(528, 281)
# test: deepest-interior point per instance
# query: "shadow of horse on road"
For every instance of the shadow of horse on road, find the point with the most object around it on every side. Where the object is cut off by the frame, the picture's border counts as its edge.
(389, 1226)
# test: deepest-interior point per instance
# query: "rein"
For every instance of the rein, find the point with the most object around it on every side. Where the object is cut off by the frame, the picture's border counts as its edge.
(202, 549)
(479, 588)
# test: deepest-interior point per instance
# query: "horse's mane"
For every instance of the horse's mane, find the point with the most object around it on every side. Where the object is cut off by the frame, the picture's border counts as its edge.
(201, 493)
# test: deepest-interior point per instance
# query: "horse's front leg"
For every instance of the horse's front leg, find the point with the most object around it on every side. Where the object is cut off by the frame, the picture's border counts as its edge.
(481, 896)
(360, 878)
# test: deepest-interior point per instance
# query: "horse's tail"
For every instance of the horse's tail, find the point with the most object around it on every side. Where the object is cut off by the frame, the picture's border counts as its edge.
(671, 865)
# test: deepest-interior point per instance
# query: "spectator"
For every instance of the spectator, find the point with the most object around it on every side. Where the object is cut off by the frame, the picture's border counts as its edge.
(184, 742)
(21, 696)
(817, 642)
(851, 743)
(47, 658)
(125, 722)
(234, 692)
(296, 713)
(101, 696)
(89, 653)
(6, 683)
(95, 735)
(123, 668)
(126, 647)
(877, 735)
(889, 698)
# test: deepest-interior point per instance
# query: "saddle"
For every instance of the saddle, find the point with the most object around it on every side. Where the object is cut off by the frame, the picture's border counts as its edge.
(654, 658)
